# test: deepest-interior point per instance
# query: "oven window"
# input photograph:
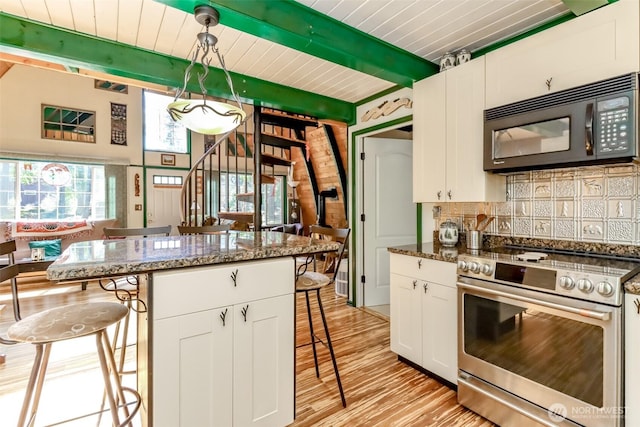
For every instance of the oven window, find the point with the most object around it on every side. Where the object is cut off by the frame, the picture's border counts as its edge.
(563, 354)
(535, 138)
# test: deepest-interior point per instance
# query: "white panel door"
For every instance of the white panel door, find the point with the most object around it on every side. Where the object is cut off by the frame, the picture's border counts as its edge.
(389, 210)
(163, 201)
(263, 370)
(193, 356)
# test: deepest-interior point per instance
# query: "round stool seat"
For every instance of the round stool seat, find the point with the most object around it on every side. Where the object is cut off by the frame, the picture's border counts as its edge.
(311, 280)
(70, 321)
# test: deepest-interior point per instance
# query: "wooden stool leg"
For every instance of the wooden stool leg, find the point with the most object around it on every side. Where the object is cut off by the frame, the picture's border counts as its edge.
(36, 379)
(313, 336)
(333, 356)
(106, 373)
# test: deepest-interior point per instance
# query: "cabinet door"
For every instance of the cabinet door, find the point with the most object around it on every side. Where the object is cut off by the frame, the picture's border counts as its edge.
(429, 139)
(406, 317)
(192, 356)
(263, 346)
(631, 360)
(448, 130)
(465, 104)
(592, 47)
(440, 331)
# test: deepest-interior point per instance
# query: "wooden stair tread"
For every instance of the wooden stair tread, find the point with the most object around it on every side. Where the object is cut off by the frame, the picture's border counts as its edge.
(245, 197)
(246, 217)
(270, 159)
(273, 139)
(267, 179)
(279, 118)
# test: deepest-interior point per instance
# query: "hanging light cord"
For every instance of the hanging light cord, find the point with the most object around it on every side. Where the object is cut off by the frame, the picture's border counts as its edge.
(206, 47)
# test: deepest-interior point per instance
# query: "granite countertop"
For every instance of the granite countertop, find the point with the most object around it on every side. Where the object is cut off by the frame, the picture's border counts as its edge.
(435, 251)
(103, 258)
(430, 250)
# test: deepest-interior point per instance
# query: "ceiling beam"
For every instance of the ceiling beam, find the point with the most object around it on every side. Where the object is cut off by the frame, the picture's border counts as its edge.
(27, 38)
(301, 28)
(579, 7)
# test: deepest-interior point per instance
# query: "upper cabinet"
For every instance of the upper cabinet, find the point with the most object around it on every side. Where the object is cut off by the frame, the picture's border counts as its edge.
(448, 128)
(601, 44)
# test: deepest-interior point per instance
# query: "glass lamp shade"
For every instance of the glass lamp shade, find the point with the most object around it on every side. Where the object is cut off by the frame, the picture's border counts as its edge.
(209, 118)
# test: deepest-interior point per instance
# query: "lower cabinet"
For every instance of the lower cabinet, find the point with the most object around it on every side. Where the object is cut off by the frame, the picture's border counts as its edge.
(632, 359)
(424, 313)
(229, 365)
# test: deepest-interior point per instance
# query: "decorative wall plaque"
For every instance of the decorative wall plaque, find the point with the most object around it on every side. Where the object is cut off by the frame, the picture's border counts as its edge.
(118, 124)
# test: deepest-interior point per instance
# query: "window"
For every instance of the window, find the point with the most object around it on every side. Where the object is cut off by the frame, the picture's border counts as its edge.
(161, 133)
(234, 184)
(168, 180)
(272, 202)
(68, 124)
(31, 190)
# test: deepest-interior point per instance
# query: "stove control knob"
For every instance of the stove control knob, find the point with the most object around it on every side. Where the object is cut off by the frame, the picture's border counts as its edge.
(567, 283)
(605, 289)
(585, 286)
(487, 269)
(462, 265)
(474, 267)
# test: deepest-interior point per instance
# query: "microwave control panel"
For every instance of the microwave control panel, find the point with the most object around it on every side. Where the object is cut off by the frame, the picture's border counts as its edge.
(614, 126)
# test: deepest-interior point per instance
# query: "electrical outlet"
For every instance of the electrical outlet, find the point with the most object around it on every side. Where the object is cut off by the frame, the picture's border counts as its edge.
(437, 210)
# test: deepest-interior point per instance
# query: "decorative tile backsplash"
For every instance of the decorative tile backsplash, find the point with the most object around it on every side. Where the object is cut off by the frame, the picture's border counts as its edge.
(590, 204)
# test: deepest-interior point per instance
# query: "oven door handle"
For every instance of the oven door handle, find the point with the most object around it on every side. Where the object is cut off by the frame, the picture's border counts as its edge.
(602, 316)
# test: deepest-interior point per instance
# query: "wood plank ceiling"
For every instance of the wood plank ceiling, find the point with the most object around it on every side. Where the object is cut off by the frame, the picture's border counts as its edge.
(271, 53)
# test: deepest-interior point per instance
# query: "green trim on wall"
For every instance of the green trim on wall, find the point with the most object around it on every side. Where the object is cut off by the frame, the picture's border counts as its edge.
(580, 7)
(379, 95)
(524, 35)
(354, 182)
(418, 223)
(302, 28)
(39, 41)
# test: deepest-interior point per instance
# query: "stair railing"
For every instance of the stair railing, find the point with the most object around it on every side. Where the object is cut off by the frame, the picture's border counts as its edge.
(200, 202)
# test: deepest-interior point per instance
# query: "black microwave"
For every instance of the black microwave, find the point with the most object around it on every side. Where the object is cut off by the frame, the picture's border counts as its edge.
(585, 125)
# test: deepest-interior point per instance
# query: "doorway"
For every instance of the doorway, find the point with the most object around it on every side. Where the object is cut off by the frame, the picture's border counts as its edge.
(163, 197)
(389, 211)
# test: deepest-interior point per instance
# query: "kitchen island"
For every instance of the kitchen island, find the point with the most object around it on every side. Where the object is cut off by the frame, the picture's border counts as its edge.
(215, 323)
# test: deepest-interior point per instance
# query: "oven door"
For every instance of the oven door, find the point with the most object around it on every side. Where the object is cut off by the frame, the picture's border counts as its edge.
(561, 354)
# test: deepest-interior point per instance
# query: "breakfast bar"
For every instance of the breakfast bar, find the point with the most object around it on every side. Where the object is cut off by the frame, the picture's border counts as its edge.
(215, 321)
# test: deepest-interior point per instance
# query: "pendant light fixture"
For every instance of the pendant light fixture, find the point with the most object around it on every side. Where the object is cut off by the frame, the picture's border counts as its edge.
(202, 115)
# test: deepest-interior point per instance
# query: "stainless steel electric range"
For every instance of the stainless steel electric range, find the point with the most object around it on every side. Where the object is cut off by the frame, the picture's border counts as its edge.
(540, 336)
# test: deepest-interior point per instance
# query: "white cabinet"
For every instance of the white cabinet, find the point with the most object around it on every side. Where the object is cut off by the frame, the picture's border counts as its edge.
(223, 345)
(595, 46)
(424, 313)
(448, 130)
(406, 317)
(632, 360)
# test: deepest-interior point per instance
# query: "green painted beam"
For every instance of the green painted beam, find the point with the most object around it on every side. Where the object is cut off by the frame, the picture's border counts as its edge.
(299, 27)
(580, 7)
(23, 37)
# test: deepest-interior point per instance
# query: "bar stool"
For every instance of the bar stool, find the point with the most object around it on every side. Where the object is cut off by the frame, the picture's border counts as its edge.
(69, 322)
(125, 288)
(203, 229)
(308, 281)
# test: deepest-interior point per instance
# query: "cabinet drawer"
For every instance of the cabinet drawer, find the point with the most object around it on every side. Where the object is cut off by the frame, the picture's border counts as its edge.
(441, 272)
(196, 289)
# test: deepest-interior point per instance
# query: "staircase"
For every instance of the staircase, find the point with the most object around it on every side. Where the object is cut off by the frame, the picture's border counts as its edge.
(220, 187)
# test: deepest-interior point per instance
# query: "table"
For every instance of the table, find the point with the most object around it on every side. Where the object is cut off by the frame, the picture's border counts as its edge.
(225, 297)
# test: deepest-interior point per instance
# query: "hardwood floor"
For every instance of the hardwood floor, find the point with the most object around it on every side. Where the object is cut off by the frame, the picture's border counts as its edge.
(380, 390)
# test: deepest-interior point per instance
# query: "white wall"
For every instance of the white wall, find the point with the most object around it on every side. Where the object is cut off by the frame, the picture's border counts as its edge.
(24, 89)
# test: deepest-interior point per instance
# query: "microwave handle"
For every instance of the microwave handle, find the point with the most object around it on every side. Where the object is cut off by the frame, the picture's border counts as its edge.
(588, 130)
